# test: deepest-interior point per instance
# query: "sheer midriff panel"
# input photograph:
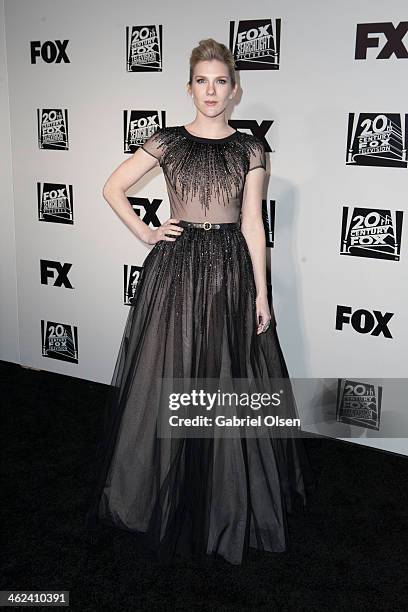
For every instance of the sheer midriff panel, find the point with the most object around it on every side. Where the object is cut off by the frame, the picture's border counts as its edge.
(226, 210)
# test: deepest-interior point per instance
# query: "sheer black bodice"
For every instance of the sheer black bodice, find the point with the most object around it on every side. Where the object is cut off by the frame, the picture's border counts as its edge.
(205, 177)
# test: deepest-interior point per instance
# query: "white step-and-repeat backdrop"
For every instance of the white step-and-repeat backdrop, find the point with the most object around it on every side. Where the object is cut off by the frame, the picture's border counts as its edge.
(323, 84)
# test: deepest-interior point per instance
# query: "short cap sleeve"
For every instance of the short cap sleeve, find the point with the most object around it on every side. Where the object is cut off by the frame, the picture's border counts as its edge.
(154, 145)
(257, 157)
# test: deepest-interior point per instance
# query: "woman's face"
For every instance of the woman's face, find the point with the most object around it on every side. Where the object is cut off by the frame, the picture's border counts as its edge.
(211, 82)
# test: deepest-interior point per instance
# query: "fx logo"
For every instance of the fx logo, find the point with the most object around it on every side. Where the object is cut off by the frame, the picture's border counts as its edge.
(257, 130)
(363, 321)
(150, 216)
(56, 270)
(52, 51)
(393, 35)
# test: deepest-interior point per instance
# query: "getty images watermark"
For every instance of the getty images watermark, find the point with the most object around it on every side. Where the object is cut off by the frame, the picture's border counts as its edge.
(343, 408)
(230, 407)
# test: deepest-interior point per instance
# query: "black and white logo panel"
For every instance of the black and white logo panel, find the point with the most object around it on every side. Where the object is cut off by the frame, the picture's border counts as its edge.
(255, 43)
(385, 40)
(52, 125)
(138, 126)
(268, 218)
(55, 273)
(59, 341)
(144, 48)
(251, 126)
(377, 139)
(49, 52)
(363, 321)
(131, 276)
(55, 203)
(371, 232)
(359, 403)
(146, 210)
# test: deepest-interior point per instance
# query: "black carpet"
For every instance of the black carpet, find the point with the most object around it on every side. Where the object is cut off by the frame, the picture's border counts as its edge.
(348, 551)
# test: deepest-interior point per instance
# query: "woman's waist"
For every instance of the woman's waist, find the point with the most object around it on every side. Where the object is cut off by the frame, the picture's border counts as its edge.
(208, 225)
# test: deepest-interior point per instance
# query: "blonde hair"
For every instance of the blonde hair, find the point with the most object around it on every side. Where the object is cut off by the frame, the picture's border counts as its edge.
(209, 49)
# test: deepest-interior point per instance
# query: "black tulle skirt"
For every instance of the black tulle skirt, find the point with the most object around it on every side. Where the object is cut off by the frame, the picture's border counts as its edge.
(193, 316)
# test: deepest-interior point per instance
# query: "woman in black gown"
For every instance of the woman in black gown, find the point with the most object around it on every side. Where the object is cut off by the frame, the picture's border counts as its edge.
(200, 310)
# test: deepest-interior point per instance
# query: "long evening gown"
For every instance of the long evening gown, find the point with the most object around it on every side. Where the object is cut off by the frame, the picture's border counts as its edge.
(193, 316)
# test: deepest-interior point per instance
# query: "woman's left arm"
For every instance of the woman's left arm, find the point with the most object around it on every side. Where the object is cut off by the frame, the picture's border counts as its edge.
(254, 233)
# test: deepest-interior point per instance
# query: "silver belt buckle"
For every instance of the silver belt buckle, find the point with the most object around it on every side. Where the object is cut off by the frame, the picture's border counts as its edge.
(207, 225)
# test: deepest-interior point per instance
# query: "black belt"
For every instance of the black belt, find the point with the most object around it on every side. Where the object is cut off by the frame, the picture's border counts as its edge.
(207, 225)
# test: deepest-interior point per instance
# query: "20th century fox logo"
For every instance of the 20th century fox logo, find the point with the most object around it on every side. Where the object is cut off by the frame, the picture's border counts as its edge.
(144, 48)
(377, 139)
(131, 277)
(371, 232)
(359, 403)
(52, 126)
(59, 341)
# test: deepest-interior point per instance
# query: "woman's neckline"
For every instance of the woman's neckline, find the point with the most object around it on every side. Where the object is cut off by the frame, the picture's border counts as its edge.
(202, 139)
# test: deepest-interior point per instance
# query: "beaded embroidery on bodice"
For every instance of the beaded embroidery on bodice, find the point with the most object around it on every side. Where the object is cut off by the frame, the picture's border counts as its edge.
(205, 177)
